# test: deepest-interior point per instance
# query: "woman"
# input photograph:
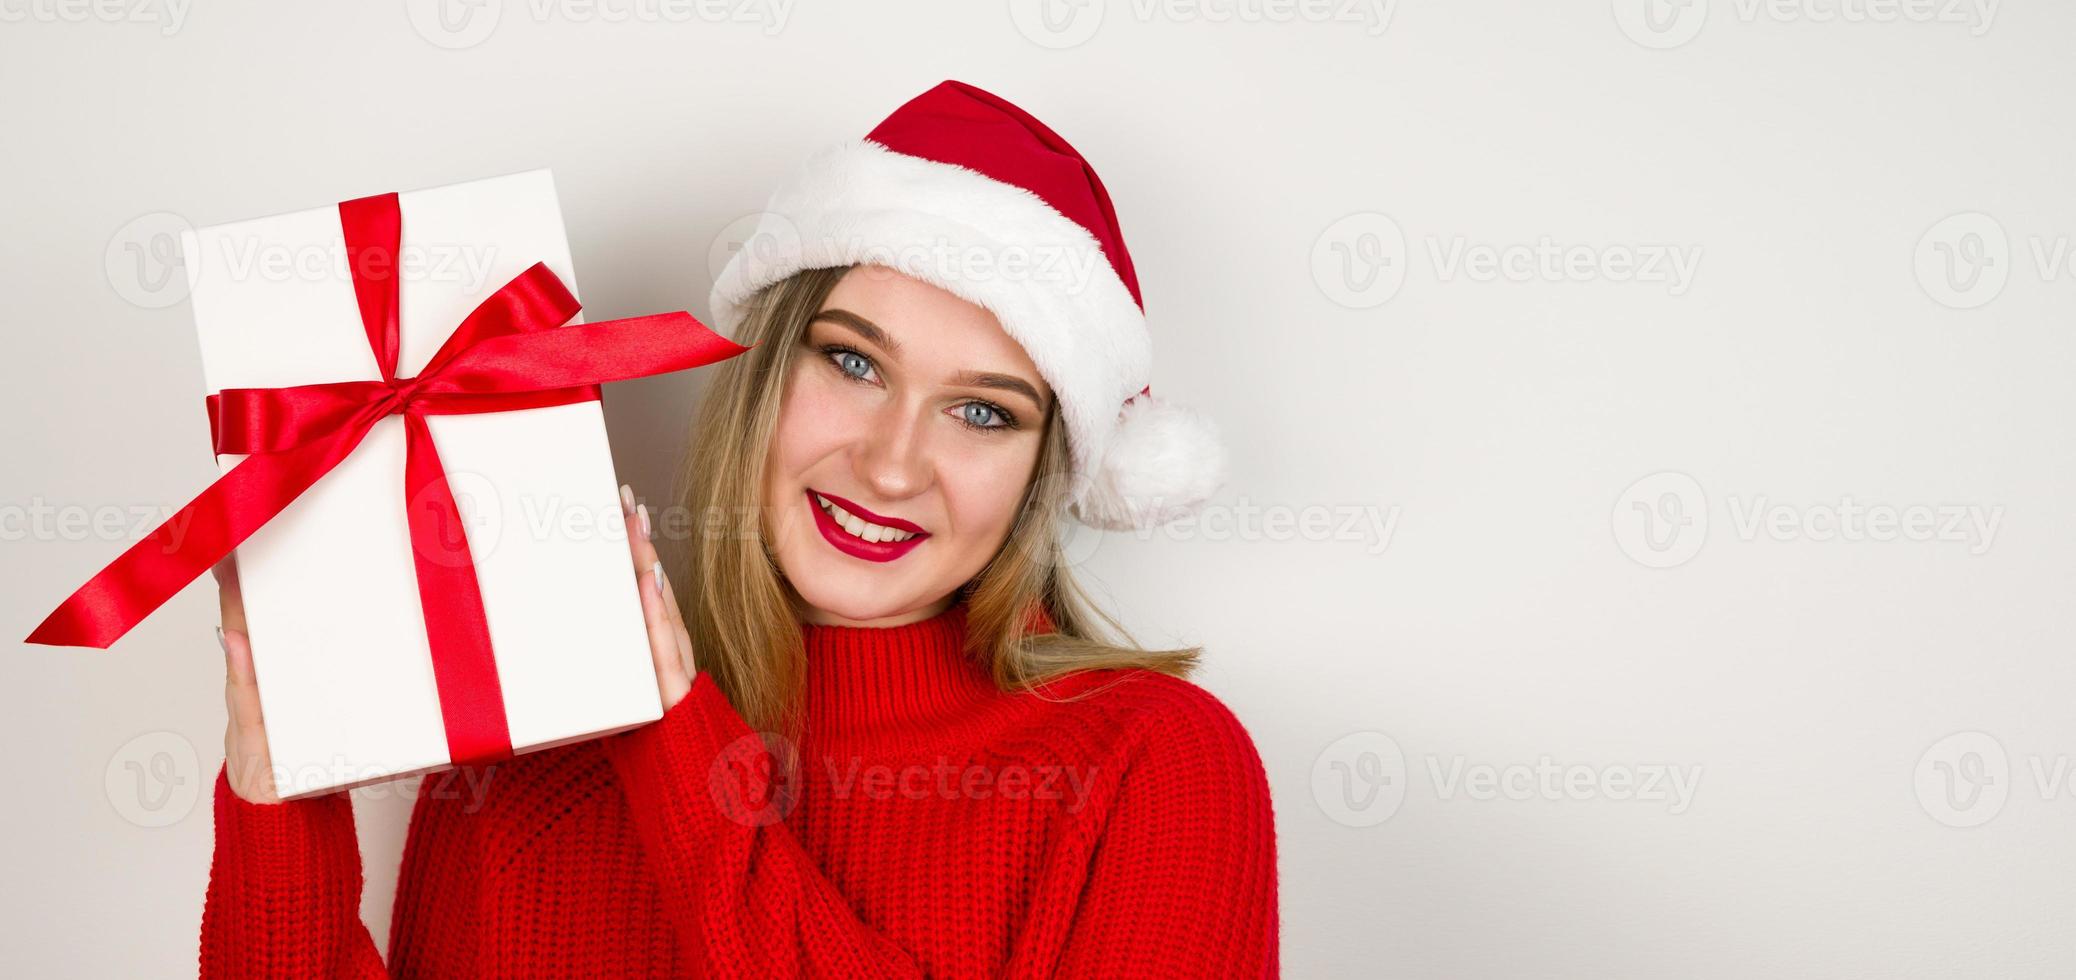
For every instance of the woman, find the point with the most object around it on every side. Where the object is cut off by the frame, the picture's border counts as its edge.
(896, 739)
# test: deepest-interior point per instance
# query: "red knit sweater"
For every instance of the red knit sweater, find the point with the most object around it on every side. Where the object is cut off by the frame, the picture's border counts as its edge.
(931, 826)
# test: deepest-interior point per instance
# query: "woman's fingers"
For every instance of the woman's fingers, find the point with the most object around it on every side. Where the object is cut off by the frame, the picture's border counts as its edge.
(247, 762)
(249, 765)
(673, 612)
(677, 625)
(673, 681)
(641, 544)
(229, 600)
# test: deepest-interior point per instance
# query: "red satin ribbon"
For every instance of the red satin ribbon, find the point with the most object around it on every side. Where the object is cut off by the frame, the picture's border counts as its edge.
(512, 352)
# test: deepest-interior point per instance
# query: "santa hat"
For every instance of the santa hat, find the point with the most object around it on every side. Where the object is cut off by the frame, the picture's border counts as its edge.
(963, 190)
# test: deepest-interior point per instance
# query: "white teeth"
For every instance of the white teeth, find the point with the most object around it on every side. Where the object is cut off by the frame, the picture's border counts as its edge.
(860, 527)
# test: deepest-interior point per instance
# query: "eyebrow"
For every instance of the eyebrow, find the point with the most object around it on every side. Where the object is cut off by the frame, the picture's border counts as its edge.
(972, 379)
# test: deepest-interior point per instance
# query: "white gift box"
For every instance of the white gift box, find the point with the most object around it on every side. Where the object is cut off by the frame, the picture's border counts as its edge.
(330, 589)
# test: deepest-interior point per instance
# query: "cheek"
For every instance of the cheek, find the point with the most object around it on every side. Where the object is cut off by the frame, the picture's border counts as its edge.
(984, 495)
(813, 422)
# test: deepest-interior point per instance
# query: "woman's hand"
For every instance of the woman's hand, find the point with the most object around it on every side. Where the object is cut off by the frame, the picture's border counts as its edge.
(248, 765)
(669, 642)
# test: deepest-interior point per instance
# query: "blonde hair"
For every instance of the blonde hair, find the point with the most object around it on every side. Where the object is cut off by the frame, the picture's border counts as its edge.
(740, 614)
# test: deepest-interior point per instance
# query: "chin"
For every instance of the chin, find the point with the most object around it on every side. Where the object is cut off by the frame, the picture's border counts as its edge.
(858, 602)
(818, 591)
(862, 592)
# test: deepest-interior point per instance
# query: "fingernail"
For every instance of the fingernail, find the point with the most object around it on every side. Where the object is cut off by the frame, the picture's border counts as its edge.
(656, 577)
(642, 511)
(221, 642)
(626, 499)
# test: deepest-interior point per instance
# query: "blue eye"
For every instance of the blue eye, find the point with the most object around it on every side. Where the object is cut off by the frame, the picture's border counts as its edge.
(980, 415)
(852, 363)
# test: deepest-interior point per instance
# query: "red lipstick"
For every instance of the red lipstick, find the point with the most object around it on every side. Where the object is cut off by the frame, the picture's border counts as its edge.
(857, 547)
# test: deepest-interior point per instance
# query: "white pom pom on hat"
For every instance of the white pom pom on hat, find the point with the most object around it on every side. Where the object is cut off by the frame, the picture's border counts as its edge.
(961, 189)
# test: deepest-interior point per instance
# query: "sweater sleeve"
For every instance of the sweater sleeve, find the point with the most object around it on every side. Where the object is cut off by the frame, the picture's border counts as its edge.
(284, 890)
(744, 894)
(1183, 879)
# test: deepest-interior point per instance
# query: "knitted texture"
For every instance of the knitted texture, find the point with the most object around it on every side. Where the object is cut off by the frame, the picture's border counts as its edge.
(927, 824)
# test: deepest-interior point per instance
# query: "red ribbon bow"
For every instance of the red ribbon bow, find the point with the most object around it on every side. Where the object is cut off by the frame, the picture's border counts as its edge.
(512, 352)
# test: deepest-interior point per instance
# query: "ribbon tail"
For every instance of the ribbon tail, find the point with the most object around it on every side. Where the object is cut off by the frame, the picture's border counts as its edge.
(472, 704)
(584, 354)
(189, 542)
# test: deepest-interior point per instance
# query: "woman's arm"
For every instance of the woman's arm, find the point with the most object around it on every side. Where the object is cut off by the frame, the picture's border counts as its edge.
(1183, 881)
(284, 890)
(284, 882)
(745, 895)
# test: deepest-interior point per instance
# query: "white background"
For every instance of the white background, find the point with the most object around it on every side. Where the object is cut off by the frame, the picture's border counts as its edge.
(1818, 359)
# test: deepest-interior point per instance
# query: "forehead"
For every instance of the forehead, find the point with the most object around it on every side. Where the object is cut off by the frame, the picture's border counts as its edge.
(933, 326)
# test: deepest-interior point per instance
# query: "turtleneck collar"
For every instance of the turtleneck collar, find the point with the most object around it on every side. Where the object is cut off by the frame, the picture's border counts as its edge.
(882, 680)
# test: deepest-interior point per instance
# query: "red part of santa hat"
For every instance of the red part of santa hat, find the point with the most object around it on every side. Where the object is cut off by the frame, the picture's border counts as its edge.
(960, 125)
(964, 190)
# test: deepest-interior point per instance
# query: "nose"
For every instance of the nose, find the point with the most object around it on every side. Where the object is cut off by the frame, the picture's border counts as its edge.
(894, 458)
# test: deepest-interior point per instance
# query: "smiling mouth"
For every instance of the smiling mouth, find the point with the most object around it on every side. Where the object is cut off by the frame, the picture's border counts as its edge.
(883, 530)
